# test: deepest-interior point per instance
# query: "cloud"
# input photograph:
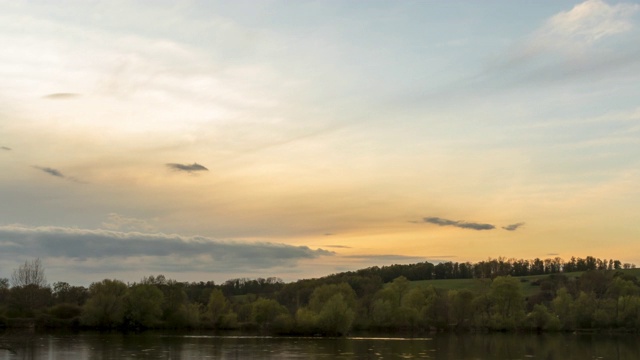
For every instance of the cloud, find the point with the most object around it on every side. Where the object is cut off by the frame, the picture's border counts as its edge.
(338, 246)
(5, 148)
(120, 222)
(61, 96)
(186, 167)
(58, 173)
(513, 227)
(574, 34)
(578, 29)
(590, 41)
(50, 171)
(461, 224)
(158, 251)
(590, 21)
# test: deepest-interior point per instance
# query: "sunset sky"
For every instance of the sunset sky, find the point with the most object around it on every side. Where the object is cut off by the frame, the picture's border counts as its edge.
(209, 140)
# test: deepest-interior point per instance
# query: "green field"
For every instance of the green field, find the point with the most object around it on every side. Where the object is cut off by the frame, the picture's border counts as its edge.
(482, 284)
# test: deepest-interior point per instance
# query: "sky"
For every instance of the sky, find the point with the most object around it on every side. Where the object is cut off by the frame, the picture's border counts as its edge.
(210, 140)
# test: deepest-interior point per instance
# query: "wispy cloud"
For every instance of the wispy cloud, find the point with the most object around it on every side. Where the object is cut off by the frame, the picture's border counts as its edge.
(169, 251)
(123, 223)
(61, 96)
(187, 167)
(569, 43)
(513, 227)
(590, 21)
(458, 223)
(337, 246)
(5, 148)
(58, 173)
(574, 31)
(50, 171)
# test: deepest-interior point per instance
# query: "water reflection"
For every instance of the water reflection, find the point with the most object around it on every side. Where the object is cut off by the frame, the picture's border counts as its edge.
(201, 346)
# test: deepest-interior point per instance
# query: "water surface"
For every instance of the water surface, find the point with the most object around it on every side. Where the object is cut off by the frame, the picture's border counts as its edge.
(204, 346)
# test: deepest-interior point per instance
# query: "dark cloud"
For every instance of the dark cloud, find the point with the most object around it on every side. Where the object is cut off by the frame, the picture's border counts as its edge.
(461, 224)
(159, 251)
(553, 254)
(513, 227)
(50, 171)
(58, 173)
(61, 96)
(5, 148)
(338, 246)
(186, 167)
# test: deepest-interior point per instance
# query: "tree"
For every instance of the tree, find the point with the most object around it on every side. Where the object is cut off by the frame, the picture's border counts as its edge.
(541, 319)
(176, 310)
(106, 305)
(217, 307)
(336, 317)
(30, 291)
(65, 293)
(265, 312)
(507, 302)
(562, 306)
(143, 306)
(585, 306)
(4, 290)
(461, 307)
(30, 273)
(323, 293)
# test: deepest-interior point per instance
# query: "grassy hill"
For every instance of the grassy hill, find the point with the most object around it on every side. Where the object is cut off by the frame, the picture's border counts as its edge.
(527, 282)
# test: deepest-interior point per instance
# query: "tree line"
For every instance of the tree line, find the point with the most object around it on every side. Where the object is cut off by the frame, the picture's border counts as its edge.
(388, 298)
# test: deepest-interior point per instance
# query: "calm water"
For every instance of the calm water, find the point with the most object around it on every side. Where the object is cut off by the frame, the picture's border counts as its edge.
(438, 346)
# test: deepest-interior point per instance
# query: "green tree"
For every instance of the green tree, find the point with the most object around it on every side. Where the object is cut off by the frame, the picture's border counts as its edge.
(507, 302)
(629, 314)
(482, 311)
(143, 306)
(584, 308)
(176, 310)
(382, 313)
(398, 306)
(306, 321)
(27, 300)
(217, 307)
(323, 293)
(105, 307)
(399, 288)
(621, 291)
(65, 293)
(540, 318)
(336, 316)
(461, 307)
(266, 311)
(562, 306)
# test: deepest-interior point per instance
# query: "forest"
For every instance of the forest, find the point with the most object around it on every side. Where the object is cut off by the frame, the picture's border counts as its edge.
(506, 295)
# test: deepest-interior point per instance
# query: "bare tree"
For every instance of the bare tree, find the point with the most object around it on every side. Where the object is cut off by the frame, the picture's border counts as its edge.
(30, 273)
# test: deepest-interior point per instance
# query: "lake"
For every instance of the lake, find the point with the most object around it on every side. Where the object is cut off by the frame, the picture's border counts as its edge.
(87, 345)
